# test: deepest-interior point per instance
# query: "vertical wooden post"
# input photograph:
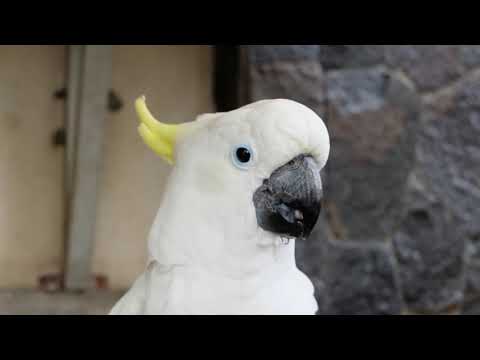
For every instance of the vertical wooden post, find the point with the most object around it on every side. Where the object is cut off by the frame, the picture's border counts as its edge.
(87, 157)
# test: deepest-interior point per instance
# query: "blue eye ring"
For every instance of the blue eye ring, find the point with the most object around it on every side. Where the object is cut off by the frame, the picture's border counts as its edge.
(242, 156)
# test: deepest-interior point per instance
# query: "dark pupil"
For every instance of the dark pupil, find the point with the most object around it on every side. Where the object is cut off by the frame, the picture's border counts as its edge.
(243, 155)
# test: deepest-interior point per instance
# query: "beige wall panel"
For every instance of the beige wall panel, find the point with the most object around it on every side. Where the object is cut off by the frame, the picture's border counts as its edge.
(31, 169)
(177, 81)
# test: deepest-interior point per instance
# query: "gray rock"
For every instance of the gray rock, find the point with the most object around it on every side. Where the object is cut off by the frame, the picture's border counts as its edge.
(459, 109)
(430, 259)
(470, 55)
(438, 240)
(359, 279)
(472, 269)
(261, 54)
(351, 56)
(453, 120)
(471, 307)
(372, 116)
(301, 81)
(428, 66)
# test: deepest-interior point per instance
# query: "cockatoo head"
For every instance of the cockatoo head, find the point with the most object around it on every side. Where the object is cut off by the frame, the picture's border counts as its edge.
(254, 171)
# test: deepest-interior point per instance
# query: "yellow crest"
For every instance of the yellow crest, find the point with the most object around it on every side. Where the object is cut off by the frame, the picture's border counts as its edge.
(159, 137)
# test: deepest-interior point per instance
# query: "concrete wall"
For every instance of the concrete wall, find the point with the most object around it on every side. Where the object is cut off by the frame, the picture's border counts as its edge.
(31, 167)
(400, 233)
(177, 81)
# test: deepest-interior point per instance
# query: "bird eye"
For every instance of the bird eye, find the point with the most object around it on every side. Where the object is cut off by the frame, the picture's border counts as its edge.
(242, 156)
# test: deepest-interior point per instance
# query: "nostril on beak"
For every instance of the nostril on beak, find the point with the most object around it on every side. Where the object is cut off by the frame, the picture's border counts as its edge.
(298, 215)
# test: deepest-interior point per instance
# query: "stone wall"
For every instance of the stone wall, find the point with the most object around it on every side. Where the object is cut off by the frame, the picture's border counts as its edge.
(401, 228)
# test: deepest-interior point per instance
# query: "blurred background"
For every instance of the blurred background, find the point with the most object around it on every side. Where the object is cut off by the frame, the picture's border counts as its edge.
(400, 230)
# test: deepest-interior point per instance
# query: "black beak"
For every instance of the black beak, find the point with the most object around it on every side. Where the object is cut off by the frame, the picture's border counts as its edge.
(289, 202)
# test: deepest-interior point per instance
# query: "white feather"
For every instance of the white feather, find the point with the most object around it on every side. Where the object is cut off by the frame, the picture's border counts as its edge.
(208, 254)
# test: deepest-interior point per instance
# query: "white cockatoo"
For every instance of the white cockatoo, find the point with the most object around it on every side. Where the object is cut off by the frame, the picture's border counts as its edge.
(243, 186)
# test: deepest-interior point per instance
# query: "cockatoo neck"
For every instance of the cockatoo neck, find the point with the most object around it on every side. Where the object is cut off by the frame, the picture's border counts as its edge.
(199, 228)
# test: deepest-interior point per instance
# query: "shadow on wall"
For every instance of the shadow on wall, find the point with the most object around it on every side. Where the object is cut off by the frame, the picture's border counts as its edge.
(402, 193)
